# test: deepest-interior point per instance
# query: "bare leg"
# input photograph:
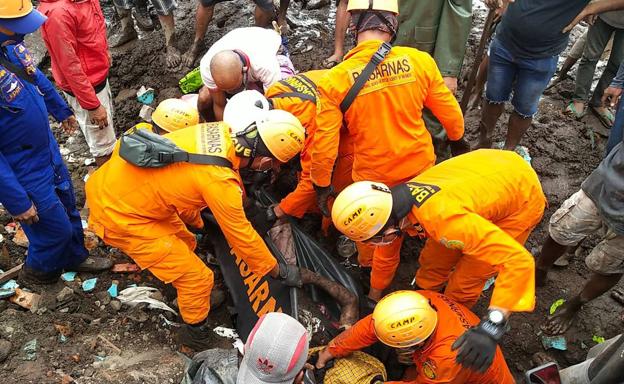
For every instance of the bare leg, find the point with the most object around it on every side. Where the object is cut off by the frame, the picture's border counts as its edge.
(342, 22)
(204, 104)
(565, 68)
(563, 318)
(173, 55)
(551, 251)
(203, 17)
(127, 32)
(281, 16)
(263, 18)
(518, 125)
(489, 116)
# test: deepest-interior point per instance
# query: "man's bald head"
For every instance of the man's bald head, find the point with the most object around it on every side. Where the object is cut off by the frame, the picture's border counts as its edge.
(226, 69)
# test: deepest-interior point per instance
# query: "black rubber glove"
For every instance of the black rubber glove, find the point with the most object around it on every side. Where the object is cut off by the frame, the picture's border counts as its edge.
(290, 275)
(271, 217)
(459, 147)
(322, 195)
(477, 346)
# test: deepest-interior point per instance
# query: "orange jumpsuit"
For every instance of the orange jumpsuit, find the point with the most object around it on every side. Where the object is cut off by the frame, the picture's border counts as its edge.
(143, 212)
(298, 95)
(391, 142)
(477, 211)
(435, 361)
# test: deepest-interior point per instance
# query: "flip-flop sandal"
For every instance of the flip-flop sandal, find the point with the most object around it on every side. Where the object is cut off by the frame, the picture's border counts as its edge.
(571, 111)
(329, 64)
(606, 117)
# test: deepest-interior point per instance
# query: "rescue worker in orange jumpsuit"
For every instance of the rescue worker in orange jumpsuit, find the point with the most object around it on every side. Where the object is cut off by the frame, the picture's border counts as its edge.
(477, 210)
(391, 142)
(422, 326)
(144, 211)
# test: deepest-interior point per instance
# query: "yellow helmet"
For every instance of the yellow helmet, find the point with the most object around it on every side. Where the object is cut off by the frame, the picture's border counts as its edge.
(282, 133)
(19, 16)
(10, 9)
(377, 5)
(174, 114)
(403, 319)
(362, 209)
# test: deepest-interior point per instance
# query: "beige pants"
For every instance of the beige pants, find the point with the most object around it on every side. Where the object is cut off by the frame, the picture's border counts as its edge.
(101, 141)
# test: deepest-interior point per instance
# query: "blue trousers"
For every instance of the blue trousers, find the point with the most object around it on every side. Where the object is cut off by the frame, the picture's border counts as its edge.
(56, 242)
(617, 131)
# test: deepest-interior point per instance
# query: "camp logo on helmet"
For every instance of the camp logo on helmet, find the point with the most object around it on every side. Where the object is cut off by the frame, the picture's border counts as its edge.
(354, 215)
(264, 366)
(402, 323)
(295, 136)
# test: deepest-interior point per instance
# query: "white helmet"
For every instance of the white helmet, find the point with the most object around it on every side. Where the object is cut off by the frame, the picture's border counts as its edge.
(244, 109)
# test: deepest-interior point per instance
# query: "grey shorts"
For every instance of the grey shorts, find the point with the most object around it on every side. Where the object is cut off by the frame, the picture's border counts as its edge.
(577, 218)
(162, 7)
(266, 5)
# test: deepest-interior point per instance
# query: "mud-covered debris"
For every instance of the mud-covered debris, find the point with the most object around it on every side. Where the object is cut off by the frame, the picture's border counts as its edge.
(125, 267)
(115, 305)
(27, 300)
(145, 95)
(125, 94)
(228, 333)
(103, 297)
(64, 329)
(11, 228)
(146, 113)
(91, 240)
(65, 295)
(20, 238)
(30, 350)
(89, 284)
(5, 349)
(136, 295)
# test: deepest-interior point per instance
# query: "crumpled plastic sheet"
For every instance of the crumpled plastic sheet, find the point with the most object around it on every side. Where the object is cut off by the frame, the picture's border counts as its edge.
(555, 342)
(89, 285)
(311, 323)
(520, 150)
(228, 333)
(135, 295)
(8, 289)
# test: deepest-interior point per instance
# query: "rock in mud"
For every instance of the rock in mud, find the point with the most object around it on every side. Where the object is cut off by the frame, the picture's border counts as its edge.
(115, 305)
(103, 297)
(64, 295)
(5, 349)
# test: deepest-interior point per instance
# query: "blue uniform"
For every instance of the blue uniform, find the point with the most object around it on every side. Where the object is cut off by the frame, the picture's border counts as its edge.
(32, 169)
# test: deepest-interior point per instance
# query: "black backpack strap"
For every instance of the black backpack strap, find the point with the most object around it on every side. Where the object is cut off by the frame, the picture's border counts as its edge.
(194, 158)
(17, 70)
(377, 58)
(295, 93)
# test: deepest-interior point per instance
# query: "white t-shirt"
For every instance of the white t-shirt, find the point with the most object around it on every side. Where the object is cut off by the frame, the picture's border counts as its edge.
(259, 44)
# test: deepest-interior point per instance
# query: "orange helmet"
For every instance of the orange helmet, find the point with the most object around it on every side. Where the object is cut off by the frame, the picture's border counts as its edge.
(403, 319)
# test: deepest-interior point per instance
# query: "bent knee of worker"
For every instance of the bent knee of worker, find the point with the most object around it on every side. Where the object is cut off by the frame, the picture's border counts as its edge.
(607, 258)
(577, 218)
(52, 228)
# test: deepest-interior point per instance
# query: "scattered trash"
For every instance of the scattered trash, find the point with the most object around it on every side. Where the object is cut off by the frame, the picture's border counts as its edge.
(85, 178)
(91, 240)
(228, 333)
(30, 350)
(583, 345)
(85, 224)
(489, 283)
(89, 161)
(89, 285)
(1, 238)
(145, 95)
(109, 344)
(20, 238)
(146, 113)
(11, 228)
(127, 267)
(64, 330)
(135, 295)
(553, 307)
(520, 150)
(239, 345)
(69, 276)
(555, 342)
(311, 323)
(346, 247)
(167, 321)
(27, 300)
(65, 295)
(598, 339)
(8, 289)
(112, 291)
(191, 82)
(103, 298)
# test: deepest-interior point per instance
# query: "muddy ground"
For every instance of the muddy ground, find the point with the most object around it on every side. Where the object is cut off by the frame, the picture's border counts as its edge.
(89, 339)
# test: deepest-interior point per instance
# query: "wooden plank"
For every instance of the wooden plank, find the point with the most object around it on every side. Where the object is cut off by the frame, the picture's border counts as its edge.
(10, 274)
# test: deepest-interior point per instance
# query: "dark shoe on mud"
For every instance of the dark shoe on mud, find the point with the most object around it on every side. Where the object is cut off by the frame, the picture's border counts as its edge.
(143, 19)
(34, 279)
(196, 337)
(94, 264)
(123, 37)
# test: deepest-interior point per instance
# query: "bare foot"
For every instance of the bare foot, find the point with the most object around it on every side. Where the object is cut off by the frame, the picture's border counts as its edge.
(173, 57)
(563, 318)
(332, 60)
(618, 295)
(189, 57)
